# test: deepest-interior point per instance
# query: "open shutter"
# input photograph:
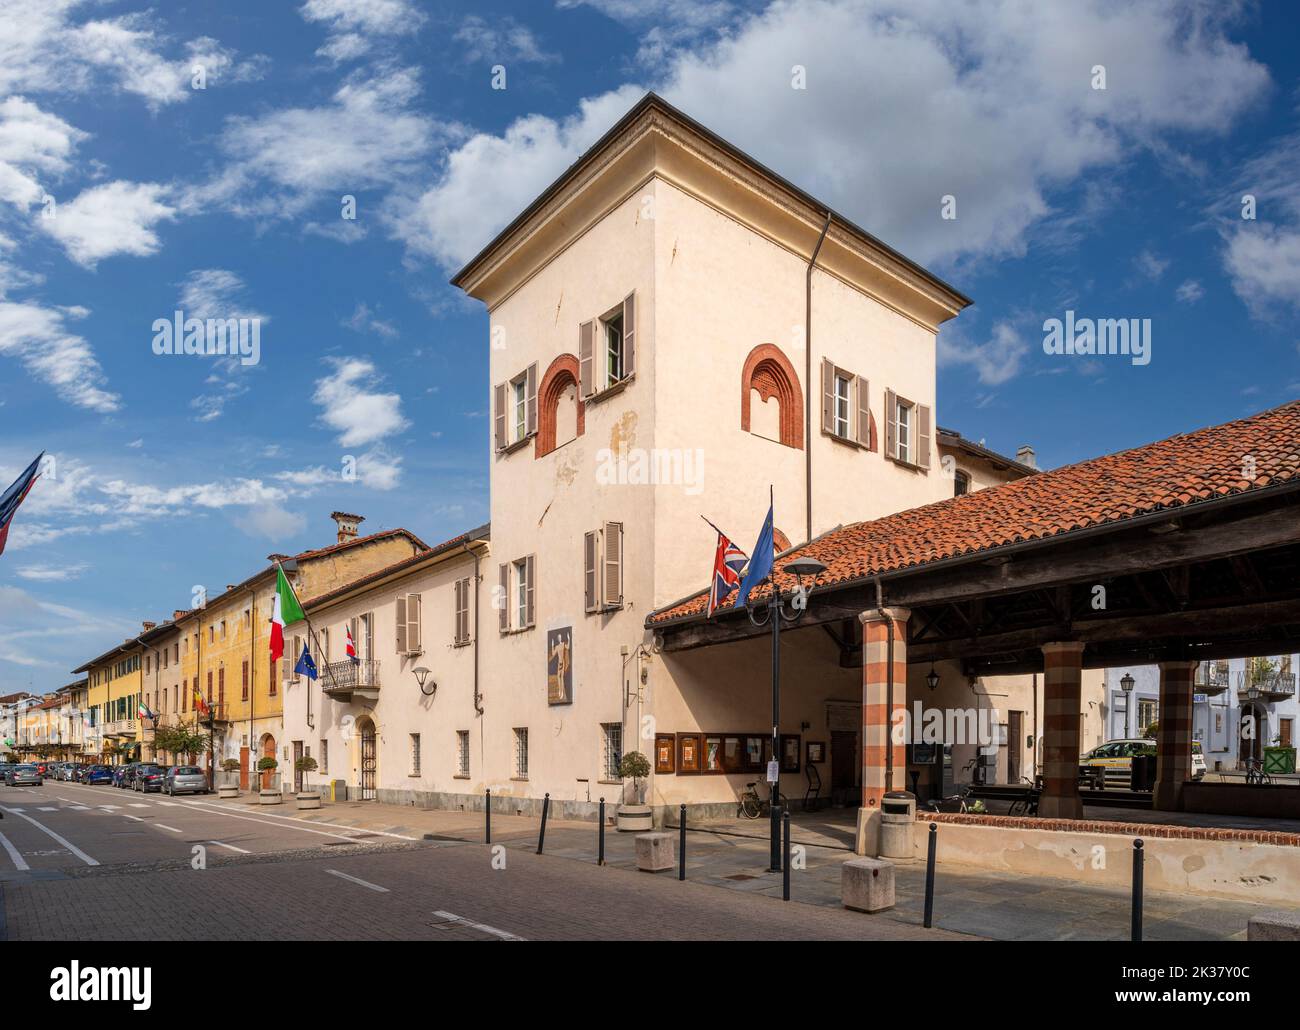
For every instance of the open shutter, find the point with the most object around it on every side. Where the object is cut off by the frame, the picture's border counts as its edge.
(530, 395)
(504, 612)
(499, 415)
(629, 334)
(613, 586)
(828, 397)
(413, 613)
(400, 620)
(530, 575)
(586, 371)
(370, 636)
(864, 412)
(456, 611)
(590, 601)
(891, 424)
(923, 435)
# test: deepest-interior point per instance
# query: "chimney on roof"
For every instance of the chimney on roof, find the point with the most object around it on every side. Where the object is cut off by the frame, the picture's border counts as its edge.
(178, 614)
(148, 626)
(1025, 455)
(347, 525)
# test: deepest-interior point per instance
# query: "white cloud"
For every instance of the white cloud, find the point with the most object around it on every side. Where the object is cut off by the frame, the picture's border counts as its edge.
(994, 361)
(354, 24)
(272, 522)
(378, 469)
(52, 573)
(500, 40)
(1263, 262)
(666, 24)
(115, 218)
(32, 142)
(1149, 265)
(1001, 88)
(353, 408)
(215, 293)
(363, 320)
(1189, 292)
(37, 336)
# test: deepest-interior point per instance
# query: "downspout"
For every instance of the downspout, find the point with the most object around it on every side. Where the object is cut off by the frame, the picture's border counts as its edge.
(889, 682)
(478, 698)
(807, 379)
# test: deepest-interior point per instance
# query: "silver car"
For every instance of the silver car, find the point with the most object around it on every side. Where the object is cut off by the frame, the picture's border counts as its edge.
(24, 774)
(184, 779)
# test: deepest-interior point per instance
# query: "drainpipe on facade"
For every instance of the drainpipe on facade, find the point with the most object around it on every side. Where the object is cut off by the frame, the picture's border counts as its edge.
(889, 682)
(478, 698)
(807, 381)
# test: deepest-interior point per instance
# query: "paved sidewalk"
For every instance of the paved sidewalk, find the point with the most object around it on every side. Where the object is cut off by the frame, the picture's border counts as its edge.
(967, 899)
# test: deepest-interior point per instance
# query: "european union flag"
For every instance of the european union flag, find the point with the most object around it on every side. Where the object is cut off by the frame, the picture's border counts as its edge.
(306, 665)
(760, 561)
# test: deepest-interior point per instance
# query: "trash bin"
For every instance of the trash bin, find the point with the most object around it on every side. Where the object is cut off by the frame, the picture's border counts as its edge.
(897, 817)
(1142, 772)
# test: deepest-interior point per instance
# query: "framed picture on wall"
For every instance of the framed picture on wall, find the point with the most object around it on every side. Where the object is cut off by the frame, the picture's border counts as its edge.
(689, 749)
(665, 753)
(816, 751)
(753, 752)
(733, 753)
(559, 666)
(790, 753)
(712, 753)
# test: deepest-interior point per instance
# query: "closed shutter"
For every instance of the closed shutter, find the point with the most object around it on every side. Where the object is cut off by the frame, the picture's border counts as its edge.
(613, 586)
(828, 397)
(370, 636)
(531, 576)
(504, 600)
(589, 581)
(864, 412)
(891, 424)
(221, 685)
(413, 623)
(923, 435)
(586, 371)
(456, 638)
(530, 395)
(400, 619)
(499, 415)
(629, 334)
(243, 684)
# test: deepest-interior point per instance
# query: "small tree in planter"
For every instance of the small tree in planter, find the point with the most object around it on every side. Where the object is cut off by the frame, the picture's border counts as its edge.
(306, 764)
(229, 766)
(637, 815)
(268, 765)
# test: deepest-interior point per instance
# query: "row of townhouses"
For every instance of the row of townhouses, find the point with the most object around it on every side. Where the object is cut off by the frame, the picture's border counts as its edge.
(674, 331)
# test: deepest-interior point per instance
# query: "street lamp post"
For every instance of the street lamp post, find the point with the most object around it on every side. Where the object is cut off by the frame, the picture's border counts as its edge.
(1126, 683)
(776, 614)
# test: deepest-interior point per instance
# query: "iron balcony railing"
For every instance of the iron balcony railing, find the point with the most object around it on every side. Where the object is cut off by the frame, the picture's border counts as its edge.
(1274, 685)
(347, 676)
(1213, 679)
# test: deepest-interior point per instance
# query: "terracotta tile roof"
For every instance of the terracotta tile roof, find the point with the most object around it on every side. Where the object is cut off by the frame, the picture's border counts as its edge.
(1182, 471)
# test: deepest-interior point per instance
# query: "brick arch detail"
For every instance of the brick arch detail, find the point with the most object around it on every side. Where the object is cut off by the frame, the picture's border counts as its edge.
(780, 542)
(561, 372)
(769, 371)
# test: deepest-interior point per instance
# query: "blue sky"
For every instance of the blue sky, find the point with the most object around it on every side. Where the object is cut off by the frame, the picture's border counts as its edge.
(126, 192)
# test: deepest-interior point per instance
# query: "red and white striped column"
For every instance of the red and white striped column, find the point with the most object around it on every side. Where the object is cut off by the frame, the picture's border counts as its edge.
(1174, 735)
(1062, 699)
(878, 718)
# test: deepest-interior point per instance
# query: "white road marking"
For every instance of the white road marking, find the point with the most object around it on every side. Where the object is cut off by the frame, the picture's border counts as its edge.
(209, 806)
(19, 864)
(169, 804)
(137, 804)
(451, 917)
(223, 844)
(78, 808)
(47, 808)
(162, 827)
(353, 879)
(133, 818)
(66, 843)
(109, 808)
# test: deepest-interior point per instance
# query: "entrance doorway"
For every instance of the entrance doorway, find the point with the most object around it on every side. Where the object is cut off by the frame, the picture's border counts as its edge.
(844, 767)
(1015, 741)
(369, 761)
(1284, 732)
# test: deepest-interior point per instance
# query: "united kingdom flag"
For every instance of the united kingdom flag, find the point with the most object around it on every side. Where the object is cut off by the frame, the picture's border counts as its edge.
(728, 562)
(15, 495)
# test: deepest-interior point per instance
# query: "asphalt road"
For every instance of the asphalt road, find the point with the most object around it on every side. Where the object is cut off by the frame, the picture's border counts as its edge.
(95, 863)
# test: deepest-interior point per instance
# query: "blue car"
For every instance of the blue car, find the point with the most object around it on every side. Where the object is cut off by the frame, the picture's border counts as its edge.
(99, 774)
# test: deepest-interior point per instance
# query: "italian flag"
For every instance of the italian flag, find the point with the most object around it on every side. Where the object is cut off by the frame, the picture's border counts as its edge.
(285, 609)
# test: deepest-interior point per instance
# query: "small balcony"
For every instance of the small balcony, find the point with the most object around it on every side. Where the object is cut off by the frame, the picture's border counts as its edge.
(1272, 686)
(1212, 679)
(348, 679)
(119, 728)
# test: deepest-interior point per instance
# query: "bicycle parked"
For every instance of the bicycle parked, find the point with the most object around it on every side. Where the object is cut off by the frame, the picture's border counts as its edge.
(959, 800)
(1255, 774)
(753, 803)
(1027, 805)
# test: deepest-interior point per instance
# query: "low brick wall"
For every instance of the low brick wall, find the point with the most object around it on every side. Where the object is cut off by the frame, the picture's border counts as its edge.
(1277, 801)
(1245, 865)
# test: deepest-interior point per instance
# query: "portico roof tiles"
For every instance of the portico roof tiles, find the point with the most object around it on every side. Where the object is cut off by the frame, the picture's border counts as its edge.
(1181, 471)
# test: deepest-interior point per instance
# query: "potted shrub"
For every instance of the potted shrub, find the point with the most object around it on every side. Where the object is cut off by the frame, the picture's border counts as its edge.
(229, 789)
(307, 798)
(267, 796)
(636, 816)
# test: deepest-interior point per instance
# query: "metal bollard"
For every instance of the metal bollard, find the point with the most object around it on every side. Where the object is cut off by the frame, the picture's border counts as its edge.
(785, 872)
(681, 843)
(1138, 858)
(541, 835)
(487, 816)
(929, 875)
(600, 853)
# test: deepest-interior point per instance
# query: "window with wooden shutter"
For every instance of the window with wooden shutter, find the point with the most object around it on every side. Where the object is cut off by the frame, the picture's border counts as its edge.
(590, 584)
(828, 396)
(530, 563)
(629, 334)
(413, 613)
(499, 415)
(400, 620)
(464, 589)
(530, 401)
(922, 459)
(891, 425)
(503, 600)
(586, 358)
(368, 625)
(243, 686)
(613, 565)
(864, 412)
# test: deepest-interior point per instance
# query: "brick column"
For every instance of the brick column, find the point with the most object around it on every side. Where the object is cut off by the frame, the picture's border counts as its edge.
(876, 715)
(1174, 736)
(1062, 698)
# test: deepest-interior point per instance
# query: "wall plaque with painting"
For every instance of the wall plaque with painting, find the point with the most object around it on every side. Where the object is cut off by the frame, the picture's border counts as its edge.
(816, 752)
(712, 753)
(665, 753)
(790, 753)
(559, 666)
(690, 747)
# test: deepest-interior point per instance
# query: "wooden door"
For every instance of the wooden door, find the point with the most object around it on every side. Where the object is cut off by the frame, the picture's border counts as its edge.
(844, 764)
(1015, 741)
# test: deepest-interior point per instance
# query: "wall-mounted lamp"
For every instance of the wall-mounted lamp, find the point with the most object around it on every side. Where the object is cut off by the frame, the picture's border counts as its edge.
(932, 678)
(422, 674)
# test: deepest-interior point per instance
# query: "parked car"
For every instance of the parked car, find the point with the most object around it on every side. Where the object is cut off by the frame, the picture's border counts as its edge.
(4, 769)
(147, 777)
(1115, 757)
(70, 772)
(98, 774)
(24, 774)
(184, 779)
(120, 773)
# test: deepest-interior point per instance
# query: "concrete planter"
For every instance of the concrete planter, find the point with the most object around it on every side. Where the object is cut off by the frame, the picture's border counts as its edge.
(306, 801)
(269, 797)
(228, 790)
(635, 818)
